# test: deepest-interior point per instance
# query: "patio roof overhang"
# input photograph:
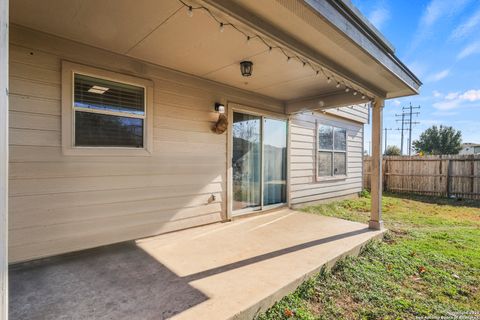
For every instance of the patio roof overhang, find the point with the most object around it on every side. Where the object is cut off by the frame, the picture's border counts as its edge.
(330, 36)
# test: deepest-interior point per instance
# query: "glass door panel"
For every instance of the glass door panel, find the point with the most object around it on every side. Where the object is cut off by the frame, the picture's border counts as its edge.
(274, 161)
(246, 161)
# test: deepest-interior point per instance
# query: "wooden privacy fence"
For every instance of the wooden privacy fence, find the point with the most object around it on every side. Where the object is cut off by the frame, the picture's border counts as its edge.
(446, 176)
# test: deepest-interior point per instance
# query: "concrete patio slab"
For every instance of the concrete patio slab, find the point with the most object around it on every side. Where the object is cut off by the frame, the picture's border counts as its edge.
(223, 271)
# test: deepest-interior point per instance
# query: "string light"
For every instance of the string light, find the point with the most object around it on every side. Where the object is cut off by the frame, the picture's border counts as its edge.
(270, 47)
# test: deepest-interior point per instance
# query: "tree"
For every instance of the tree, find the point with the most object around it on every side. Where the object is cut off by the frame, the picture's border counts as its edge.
(392, 151)
(439, 140)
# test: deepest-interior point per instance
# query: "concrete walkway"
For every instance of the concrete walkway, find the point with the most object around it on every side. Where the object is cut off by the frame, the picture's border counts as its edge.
(223, 271)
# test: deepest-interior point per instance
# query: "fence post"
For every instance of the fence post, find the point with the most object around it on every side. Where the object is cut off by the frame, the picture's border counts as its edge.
(385, 175)
(448, 178)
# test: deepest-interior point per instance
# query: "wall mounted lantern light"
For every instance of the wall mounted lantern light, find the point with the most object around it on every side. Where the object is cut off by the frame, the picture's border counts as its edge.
(222, 122)
(220, 108)
(246, 67)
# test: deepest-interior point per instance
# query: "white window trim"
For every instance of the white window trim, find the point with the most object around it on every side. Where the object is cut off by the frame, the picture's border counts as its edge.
(68, 125)
(317, 150)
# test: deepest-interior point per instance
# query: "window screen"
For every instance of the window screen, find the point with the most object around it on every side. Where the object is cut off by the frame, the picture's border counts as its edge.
(108, 113)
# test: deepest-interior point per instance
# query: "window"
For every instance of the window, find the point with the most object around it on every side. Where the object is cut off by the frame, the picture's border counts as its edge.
(476, 149)
(105, 113)
(108, 113)
(332, 151)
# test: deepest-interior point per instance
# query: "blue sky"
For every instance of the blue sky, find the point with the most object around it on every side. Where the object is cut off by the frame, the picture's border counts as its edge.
(439, 40)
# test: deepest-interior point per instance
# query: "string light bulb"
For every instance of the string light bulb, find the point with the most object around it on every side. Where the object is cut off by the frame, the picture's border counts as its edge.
(315, 68)
(363, 97)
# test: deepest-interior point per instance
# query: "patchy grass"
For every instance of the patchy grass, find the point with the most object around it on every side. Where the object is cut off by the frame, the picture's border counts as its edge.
(428, 264)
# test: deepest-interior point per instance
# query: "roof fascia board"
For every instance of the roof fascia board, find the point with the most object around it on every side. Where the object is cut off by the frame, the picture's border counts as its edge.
(339, 13)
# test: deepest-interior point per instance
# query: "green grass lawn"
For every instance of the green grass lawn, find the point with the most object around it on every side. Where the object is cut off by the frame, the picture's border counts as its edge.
(428, 264)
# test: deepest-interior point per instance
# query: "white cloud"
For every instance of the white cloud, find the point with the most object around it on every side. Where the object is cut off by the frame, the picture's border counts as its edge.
(434, 12)
(447, 105)
(452, 95)
(438, 76)
(438, 9)
(472, 48)
(467, 27)
(396, 102)
(379, 16)
(437, 94)
(471, 95)
(455, 100)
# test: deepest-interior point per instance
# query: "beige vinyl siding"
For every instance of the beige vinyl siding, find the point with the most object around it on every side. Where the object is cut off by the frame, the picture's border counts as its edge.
(358, 113)
(64, 203)
(304, 185)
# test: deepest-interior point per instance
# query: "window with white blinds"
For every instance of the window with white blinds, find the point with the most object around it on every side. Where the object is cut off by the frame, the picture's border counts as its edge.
(108, 113)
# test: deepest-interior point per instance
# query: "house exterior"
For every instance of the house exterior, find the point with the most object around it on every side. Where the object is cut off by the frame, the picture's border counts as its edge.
(470, 148)
(111, 109)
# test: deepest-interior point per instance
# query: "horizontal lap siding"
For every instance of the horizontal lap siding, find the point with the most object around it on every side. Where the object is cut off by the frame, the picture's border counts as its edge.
(358, 113)
(304, 187)
(63, 203)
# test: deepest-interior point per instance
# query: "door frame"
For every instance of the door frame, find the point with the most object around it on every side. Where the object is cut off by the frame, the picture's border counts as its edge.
(240, 108)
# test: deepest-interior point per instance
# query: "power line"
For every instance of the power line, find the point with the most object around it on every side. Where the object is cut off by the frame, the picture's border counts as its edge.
(407, 120)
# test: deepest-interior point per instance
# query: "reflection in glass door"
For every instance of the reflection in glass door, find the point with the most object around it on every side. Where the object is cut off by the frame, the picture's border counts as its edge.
(259, 162)
(274, 161)
(246, 161)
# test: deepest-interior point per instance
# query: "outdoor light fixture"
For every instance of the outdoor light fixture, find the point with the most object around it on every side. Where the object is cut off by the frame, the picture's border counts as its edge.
(222, 122)
(220, 108)
(246, 68)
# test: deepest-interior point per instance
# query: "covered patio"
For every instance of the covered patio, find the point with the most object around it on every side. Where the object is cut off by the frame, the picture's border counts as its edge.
(58, 200)
(221, 271)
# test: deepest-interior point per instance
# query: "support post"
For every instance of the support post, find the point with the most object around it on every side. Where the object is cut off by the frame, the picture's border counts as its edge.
(3, 159)
(376, 178)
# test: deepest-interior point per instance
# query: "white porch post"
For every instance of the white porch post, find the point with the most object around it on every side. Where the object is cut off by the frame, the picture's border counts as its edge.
(3, 158)
(376, 187)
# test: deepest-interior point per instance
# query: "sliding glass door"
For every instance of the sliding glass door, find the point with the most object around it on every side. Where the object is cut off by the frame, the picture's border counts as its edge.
(259, 162)
(274, 161)
(246, 161)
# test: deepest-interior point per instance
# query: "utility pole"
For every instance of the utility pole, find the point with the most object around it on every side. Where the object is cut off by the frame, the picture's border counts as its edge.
(386, 138)
(401, 130)
(407, 111)
(410, 129)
